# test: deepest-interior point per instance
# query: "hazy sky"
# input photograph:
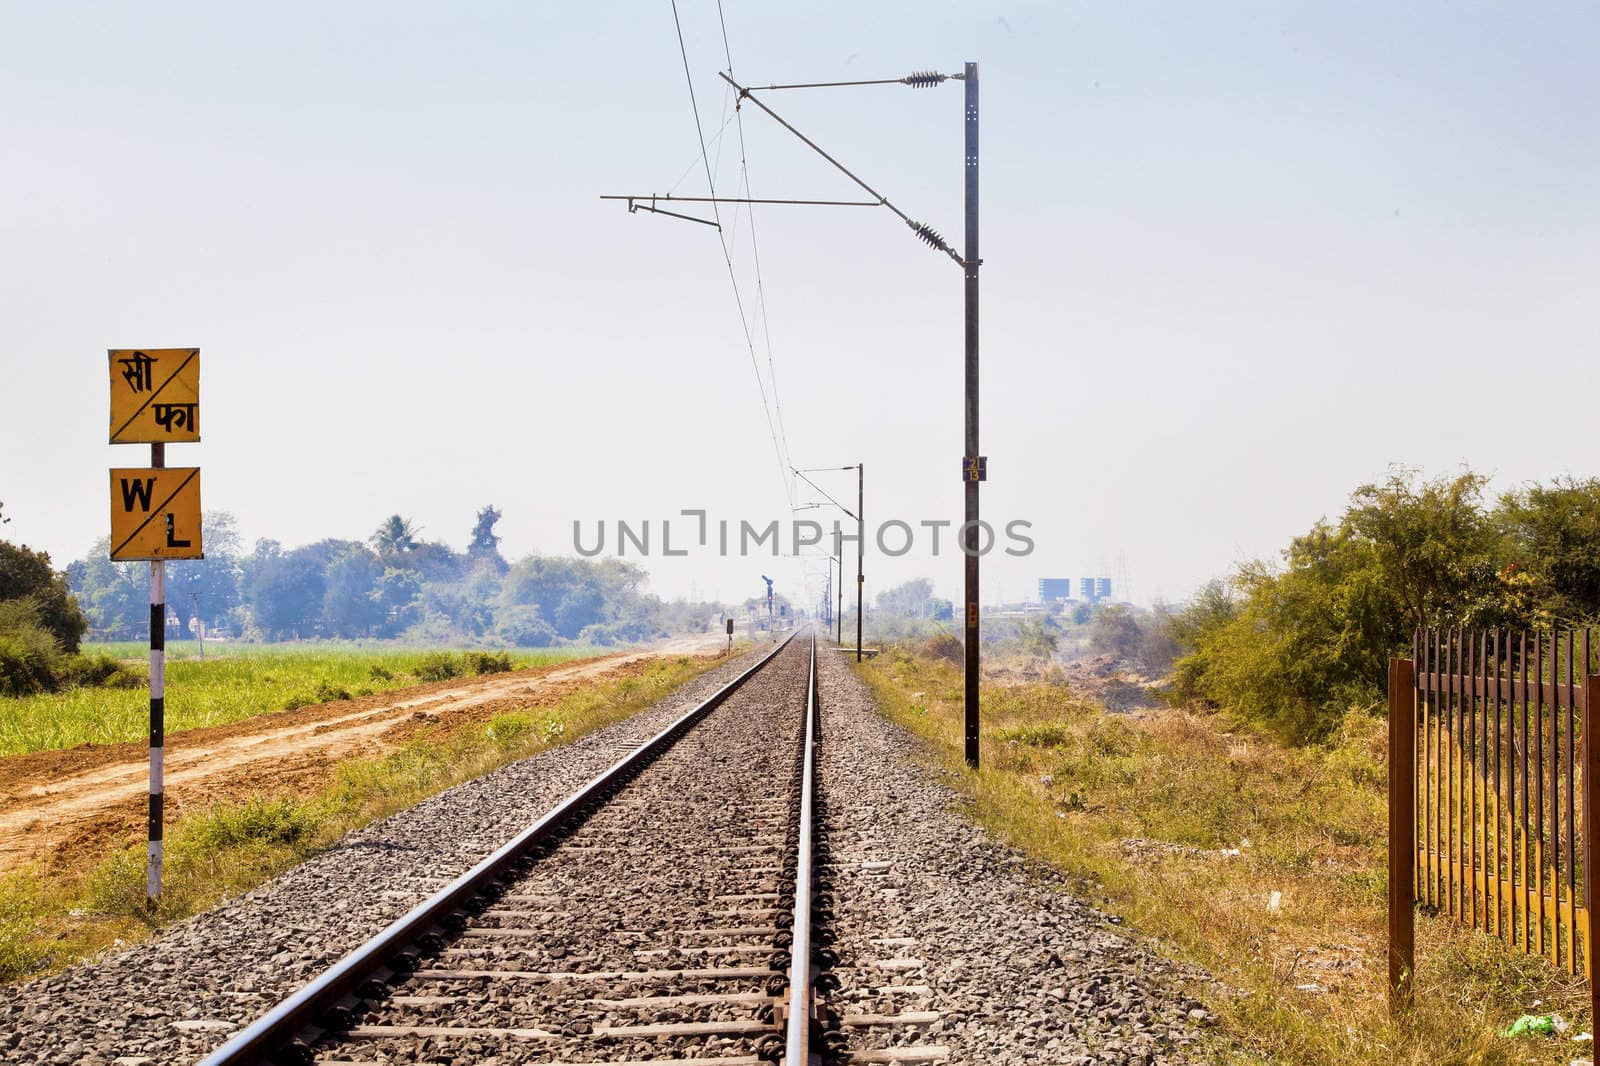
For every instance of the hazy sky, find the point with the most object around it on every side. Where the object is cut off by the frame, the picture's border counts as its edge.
(1237, 260)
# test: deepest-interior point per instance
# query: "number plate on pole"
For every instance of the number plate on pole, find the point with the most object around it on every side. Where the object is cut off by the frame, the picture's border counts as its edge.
(975, 468)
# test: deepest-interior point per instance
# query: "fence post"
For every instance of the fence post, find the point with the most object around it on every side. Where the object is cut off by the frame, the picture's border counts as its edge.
(1402, 830)
(1591, 856)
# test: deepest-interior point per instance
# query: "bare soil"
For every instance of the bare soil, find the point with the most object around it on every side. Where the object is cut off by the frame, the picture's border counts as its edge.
(55, 806)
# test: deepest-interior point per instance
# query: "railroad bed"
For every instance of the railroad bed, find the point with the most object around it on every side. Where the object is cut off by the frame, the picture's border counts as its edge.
(664, 913)
(659, 926)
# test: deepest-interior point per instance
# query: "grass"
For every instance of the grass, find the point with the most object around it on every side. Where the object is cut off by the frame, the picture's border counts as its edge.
(239, 682)
(46, 923)
(1262, 864)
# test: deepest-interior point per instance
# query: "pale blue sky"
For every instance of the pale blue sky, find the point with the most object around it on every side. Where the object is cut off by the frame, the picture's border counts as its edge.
(1238, 258)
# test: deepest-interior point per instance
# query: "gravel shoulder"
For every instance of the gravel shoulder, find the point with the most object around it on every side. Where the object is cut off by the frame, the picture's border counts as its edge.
(1019, 969)
(180, 994)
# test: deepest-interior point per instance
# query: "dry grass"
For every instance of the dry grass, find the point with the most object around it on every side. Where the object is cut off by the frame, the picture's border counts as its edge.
(49, 922)
(1262, 864)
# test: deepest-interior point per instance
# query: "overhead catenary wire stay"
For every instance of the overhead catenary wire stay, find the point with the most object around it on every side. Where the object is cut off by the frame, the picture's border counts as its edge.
(921, 229)
(824, 491)
(919, 80)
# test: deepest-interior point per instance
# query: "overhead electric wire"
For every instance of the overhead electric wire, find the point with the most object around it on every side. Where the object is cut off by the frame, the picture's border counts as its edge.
(717, 140)
(738, 299)
(755, 251)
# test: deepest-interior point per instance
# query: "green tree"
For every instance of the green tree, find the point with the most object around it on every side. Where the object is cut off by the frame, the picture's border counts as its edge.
(1037, 637)
(395, 537)
(397, 592)
(484, 547)
(521, 625)
(211, 583)
(26, 574)
(1293, 647)
(908, 600)
(1432, 544)
(350, 606)
(115, 597)
(1550, 536)
(286, 592)
(1113, 630)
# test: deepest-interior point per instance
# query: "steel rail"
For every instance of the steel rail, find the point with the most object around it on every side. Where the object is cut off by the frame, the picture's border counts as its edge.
(797, 1043)
(272, 1034)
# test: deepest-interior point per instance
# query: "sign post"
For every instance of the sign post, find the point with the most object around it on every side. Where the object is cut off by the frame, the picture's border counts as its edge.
(155, 516)
(730, 634)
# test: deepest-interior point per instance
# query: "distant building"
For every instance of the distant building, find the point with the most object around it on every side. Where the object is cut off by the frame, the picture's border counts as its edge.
(1091, 590)
(1055, 588)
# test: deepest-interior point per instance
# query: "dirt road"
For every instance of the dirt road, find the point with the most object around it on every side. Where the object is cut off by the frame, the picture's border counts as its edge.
(57, 805)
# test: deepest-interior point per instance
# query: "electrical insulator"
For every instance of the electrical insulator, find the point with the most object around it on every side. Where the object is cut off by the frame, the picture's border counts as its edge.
(923, 79)
(925, 231)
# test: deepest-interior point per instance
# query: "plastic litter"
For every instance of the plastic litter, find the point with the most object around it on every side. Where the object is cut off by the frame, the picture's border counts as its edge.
(1536, 1025)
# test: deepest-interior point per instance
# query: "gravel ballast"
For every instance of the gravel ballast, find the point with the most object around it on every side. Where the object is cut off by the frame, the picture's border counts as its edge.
(1019, 969)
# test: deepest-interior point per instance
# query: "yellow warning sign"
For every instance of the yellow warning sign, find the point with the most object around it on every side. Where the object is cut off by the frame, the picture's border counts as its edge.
(155, 513)
(155, 395)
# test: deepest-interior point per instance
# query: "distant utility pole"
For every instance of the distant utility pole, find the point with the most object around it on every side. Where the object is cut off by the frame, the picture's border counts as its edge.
(861, 531)
(838, 553)
(974, 466)
(861, 545)
(199, 627)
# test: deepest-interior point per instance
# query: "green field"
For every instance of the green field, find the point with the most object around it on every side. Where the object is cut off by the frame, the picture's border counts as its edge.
(236, 681)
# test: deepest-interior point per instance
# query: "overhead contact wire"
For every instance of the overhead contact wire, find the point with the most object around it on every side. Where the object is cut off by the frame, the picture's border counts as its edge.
(755, 255)
(727, 258)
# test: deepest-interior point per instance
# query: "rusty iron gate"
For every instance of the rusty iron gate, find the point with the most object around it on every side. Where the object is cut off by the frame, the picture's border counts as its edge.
(1491, 793)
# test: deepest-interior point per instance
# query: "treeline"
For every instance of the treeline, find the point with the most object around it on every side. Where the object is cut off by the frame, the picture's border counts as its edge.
(1294, 645)
(392, 585)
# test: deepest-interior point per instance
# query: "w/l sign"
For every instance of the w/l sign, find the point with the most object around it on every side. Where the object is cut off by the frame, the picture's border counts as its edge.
(155, 513)
(155, 395)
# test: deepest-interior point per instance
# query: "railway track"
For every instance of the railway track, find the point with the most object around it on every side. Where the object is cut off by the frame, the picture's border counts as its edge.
(674, 909)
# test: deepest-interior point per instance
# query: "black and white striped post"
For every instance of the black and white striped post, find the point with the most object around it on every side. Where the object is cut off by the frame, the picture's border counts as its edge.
(156, 516)
(158, 709)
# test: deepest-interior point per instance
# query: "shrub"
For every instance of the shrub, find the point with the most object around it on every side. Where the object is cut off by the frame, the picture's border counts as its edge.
(30, 659)
(946, 647)
(438, 666)
(1040, 735)
(378, 672)
(279, 820)
(97, 671)
(327, 693)
(487, 662)
(523, 626)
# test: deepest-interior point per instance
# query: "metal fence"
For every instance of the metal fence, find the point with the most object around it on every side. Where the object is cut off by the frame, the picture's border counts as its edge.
(1490, 801)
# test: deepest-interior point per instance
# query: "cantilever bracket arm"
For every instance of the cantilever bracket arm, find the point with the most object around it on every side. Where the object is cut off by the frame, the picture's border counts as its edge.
(634, 205)
(921, 229)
